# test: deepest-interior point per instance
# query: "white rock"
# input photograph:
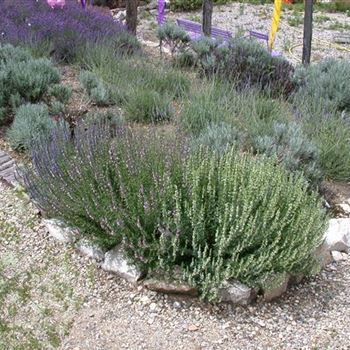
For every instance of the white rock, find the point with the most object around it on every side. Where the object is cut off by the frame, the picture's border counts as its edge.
(60, 231)
(337, 237)
(338, 256)
(236, 293)
(90, 249)
(115, 261)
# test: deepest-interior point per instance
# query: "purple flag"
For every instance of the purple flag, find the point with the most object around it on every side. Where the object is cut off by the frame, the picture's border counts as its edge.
(161, 12)
(83, 3)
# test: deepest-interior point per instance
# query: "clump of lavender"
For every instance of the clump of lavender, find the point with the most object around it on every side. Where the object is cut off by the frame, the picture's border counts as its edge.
(108, 181)
(62, 31)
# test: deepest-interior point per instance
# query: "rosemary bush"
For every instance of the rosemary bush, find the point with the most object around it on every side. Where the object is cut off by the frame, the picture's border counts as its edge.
(246, 218)
(217, 215)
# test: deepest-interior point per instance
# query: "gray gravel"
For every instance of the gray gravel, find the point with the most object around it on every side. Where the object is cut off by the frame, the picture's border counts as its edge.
(72, 304)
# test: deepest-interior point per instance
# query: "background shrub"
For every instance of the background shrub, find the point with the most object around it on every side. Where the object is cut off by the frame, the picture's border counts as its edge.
(218, 216)
(292, 149)
(148, 107)
(31, 79)
(218, 137)
(174, 37)
(24, 79)
(246, 63)
(326, 82)
(31, 122)
(61, 92)
(95, 88)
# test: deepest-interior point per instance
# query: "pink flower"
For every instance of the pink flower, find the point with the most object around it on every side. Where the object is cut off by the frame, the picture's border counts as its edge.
(56, 3)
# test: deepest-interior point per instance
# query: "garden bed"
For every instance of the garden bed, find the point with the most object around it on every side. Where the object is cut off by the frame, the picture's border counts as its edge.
(212, 170)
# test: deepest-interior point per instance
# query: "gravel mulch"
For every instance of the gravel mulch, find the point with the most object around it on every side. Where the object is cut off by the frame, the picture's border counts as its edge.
(51, 297)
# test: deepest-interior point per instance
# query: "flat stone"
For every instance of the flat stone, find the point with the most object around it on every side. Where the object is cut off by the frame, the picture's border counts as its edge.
(337, 237)
(116, 261)
(60, 231)
(275, 286)
(170, 287)
(338, 256)
(236, 293)
(90, 249)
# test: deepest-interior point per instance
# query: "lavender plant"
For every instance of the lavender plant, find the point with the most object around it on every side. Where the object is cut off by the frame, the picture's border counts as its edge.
(64, 32)
(106, 181)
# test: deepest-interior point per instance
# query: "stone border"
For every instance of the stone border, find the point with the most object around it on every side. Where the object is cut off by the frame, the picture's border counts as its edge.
(334, 247)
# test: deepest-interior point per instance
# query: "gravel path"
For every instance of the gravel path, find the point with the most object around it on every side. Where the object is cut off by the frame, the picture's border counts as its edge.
(51, 297)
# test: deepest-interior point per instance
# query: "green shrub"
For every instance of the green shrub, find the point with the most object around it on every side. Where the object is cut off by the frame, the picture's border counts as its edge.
(30, 123)
(147, 106)
(218, 216)
(26, 80)
(218, 137)
(326, 82)
(209, 105)
(11, 54)
(332, 138)
(97, 91)
(61, 92)
(293, 150)
(246, 218)
(174, 37)
(32, 79)
(246, 63)
(57, 108)
(173, 82)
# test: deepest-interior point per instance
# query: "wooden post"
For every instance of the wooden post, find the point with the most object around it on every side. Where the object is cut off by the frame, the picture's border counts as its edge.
(207, 17)
(131, 15)
(307, 41)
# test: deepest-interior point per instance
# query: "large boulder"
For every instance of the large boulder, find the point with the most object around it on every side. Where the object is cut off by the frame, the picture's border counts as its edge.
(116, 261)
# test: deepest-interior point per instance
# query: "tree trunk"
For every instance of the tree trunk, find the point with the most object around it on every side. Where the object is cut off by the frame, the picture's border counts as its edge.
(307, 32)
(131, 15)
(207, 17)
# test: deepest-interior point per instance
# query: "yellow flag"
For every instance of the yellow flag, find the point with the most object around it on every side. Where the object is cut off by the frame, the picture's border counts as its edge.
(275, 22)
